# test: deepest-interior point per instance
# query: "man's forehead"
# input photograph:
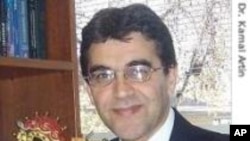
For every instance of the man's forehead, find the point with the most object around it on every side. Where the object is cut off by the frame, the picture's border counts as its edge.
(135, 62)
(116, 53)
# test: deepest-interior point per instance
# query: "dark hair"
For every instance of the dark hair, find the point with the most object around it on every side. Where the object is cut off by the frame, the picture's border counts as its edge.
(117, 23)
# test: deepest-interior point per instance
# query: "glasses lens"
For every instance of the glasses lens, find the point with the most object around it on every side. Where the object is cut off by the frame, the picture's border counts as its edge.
(101, 77)
(138, 73)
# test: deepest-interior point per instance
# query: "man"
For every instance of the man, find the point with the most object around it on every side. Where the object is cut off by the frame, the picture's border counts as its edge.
(128, 60)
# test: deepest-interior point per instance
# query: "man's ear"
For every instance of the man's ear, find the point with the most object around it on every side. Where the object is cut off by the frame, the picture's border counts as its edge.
(171, 80)
(88, 90)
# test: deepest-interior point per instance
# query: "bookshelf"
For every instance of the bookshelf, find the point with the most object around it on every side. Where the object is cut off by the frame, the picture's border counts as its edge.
(43, 85)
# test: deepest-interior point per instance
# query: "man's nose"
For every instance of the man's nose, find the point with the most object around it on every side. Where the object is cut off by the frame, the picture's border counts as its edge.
(122, 87)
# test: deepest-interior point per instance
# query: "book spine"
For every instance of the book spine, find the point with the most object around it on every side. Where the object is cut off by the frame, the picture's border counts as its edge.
(22, 29)
(1, 48)
(9, 28)
(14, 26)
(3, 26)
(32, 29)
(40, 28)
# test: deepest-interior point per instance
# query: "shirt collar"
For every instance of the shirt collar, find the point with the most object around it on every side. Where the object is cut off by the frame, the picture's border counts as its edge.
(166, 129)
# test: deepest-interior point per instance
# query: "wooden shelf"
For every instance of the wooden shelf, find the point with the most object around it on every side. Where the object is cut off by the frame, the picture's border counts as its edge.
(36, 64)
(44, 85)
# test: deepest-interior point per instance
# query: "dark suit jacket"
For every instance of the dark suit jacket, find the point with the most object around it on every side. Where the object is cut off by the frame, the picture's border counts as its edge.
(185, 131)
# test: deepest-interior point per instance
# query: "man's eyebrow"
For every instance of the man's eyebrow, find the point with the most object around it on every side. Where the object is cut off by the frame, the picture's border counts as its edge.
(140, 62)
(97, 67)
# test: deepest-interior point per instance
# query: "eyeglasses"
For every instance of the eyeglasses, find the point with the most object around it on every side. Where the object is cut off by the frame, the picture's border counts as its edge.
(137, 73)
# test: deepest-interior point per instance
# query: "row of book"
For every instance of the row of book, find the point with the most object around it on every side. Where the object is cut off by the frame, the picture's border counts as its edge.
(22, 29)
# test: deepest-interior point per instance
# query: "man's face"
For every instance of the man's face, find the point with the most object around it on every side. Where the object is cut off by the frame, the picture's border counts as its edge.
(132, 110)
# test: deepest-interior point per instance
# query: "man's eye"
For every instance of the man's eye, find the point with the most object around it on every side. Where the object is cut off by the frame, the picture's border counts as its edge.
(138, 71)
(102, 75)
(142, 72)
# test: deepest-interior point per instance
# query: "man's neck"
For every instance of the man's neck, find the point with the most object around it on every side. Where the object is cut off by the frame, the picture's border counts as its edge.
(163, 131)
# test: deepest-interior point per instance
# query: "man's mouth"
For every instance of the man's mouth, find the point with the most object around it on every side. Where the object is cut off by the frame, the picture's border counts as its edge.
(127, 111)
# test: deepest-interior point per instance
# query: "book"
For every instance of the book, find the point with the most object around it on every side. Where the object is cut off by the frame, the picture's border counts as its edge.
(1, 50)
(3, 28)
(36, 22)
(10, 28)
(41, 35)
(22, 29)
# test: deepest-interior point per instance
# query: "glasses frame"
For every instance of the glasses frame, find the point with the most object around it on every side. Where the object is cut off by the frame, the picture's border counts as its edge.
(125, 75)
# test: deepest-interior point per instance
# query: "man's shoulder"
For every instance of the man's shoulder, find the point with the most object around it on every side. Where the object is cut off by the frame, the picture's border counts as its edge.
(207, 135)
(185, 131)
(188, 132)
(198, 137)
(115, 139)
